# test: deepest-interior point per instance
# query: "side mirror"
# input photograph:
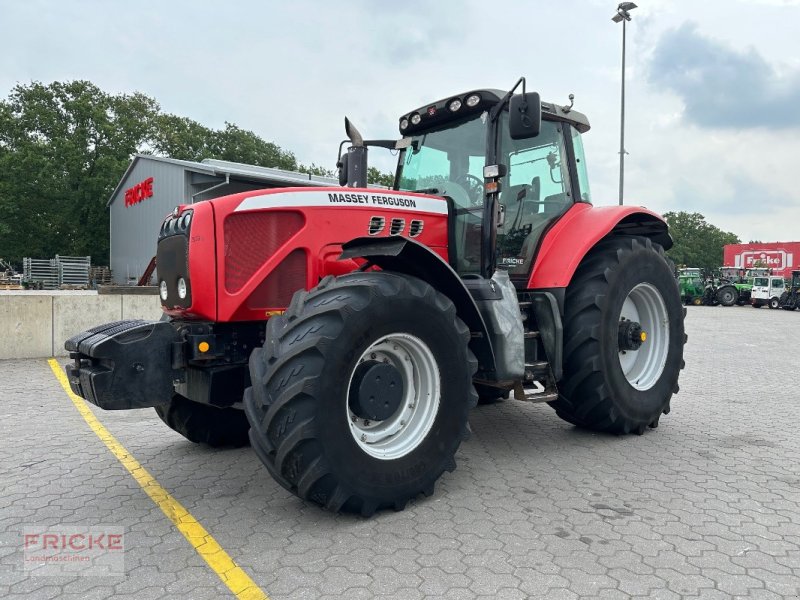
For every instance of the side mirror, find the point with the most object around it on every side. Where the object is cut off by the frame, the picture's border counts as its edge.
(524, 116)
(343, 170)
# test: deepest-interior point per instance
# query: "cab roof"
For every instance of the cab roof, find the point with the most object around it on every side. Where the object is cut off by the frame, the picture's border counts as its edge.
(436, 113)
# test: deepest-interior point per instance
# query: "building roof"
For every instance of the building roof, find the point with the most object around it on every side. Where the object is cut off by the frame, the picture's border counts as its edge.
(214, 167)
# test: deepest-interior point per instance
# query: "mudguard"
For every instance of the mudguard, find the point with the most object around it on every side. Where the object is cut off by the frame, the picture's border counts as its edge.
(123, 364)
(572, 237)
(407, 256)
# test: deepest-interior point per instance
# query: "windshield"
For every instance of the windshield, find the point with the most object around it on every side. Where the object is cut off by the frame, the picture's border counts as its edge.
(761, 282)
(449, 161)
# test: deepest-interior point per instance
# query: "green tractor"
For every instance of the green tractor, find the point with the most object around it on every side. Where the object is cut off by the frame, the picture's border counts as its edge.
(736, 285)
(691, 285)
(790, 299)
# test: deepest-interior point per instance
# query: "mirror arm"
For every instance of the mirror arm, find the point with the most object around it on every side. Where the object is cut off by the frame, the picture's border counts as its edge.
(497, 108)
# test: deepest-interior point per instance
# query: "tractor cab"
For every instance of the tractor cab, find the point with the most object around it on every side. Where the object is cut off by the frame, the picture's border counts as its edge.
(505, 185)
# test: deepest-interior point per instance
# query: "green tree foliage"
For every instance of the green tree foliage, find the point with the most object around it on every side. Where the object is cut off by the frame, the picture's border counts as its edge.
(697, 242)
(182, 138)
(378, 178)
(63, 147)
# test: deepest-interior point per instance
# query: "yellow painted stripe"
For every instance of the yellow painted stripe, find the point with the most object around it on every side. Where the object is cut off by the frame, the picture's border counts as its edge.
(206, 546)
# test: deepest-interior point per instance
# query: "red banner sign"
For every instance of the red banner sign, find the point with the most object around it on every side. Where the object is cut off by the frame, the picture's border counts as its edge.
(141, 191)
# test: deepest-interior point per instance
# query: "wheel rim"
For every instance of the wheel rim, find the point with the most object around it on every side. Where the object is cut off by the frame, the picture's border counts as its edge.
(643, 367)
(403, 431)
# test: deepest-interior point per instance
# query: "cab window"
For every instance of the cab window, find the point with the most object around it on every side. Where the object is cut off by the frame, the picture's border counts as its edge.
(580, 165)
(534, 193)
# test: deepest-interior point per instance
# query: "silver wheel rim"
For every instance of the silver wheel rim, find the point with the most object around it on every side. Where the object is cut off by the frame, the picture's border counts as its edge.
(643, 367)
(402, 432)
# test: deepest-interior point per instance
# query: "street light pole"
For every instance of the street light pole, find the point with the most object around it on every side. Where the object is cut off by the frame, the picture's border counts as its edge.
(623, 15)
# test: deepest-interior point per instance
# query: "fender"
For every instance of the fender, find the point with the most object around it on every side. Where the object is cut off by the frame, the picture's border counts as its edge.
(403, 255)
(572, 237)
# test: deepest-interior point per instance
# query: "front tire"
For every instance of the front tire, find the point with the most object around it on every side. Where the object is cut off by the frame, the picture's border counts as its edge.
(322, 424)
(205, 424)
(774, 303)
(623, 281)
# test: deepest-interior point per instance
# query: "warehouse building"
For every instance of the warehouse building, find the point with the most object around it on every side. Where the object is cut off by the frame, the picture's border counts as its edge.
(152, 187)
(781, 257)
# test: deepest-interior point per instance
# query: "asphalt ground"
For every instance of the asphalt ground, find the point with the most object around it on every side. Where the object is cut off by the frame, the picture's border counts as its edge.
(705, 506)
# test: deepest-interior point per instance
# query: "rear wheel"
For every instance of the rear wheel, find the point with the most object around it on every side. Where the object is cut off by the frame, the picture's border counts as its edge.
(623, 338)
(727, 295)
(784, 302)
(698, 301)
(361, 393)
(205, 424)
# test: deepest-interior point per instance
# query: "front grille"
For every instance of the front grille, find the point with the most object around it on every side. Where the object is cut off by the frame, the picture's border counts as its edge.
(251, 238)
(415, 228)
(397, 226)
(279, 286)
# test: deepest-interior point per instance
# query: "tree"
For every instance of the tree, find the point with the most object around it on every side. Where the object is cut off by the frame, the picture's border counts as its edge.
(63, 147)
(375, 176)
(697, 242)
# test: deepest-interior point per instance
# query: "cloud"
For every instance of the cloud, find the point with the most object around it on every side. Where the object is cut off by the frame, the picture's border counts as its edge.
(722, 87)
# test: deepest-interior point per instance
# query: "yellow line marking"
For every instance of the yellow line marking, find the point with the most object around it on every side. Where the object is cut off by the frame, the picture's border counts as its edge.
(206, 546)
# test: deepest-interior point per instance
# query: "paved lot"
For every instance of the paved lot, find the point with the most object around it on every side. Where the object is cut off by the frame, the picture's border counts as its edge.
(707, 505)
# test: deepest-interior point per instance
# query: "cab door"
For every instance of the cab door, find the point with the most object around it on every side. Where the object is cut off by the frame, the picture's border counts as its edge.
(540, 185)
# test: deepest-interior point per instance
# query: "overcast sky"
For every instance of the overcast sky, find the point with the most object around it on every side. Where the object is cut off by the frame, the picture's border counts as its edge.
(713, 86)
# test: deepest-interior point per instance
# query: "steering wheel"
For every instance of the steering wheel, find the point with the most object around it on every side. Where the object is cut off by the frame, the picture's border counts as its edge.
(474, 187)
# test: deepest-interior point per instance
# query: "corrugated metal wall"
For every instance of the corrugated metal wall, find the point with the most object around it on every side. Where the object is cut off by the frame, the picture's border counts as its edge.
(134, 229)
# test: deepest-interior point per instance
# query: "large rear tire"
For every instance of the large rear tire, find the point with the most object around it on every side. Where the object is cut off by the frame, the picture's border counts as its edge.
(205, 424)
(785, 302)
(324, 422)
(623, 281)
(727, 295)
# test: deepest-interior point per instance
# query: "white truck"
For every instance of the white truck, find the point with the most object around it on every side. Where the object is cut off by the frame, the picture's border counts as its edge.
(767, 290)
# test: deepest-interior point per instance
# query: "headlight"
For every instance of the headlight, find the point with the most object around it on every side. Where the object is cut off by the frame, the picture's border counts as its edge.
(162, 290)
(403, 124)
(454, 105)
(415, 119)
(181, 288)
(473, 100)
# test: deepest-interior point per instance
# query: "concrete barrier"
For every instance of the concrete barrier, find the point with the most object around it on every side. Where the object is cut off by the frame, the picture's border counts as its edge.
(35, 324)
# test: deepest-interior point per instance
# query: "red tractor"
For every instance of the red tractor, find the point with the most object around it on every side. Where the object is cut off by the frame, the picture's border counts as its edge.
(389, 314)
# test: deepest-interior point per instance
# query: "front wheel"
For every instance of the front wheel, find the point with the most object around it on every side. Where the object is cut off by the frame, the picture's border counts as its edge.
(623, 338)
(205, 424)
(774, 303)
(361, 392)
